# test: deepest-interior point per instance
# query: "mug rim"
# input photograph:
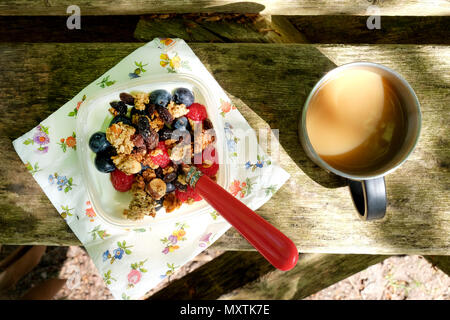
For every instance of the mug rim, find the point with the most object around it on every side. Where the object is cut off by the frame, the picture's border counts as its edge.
(330, 74)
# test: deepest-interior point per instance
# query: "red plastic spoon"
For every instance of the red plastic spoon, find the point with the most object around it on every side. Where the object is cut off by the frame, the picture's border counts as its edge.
(278, 249)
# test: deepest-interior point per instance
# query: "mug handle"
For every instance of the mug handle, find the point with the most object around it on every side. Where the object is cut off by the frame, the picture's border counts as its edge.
(369, 198)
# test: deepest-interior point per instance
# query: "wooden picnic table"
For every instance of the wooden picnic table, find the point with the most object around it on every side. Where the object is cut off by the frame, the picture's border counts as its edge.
(269, 81)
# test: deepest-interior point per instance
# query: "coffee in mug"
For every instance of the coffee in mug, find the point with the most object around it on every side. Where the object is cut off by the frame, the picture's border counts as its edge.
(361, 121)
(355, 121)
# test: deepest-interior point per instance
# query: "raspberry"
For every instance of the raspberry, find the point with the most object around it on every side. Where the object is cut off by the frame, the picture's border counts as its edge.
(163, 159)
(121, 181)
(210, 171)
(197, 112)
(209, 165)
(189, 194)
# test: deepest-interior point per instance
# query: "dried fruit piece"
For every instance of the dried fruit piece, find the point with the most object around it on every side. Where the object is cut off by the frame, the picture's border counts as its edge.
(121, 118)
(207, 124)
(171, 202)
(127, 98)
(156, 188)
(143, 124)
(170, 177)
(121, 181)
(118, 107)
(165, 115)
(127, 163)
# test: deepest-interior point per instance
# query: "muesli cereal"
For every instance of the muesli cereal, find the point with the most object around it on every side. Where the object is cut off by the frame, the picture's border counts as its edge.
(149, 146)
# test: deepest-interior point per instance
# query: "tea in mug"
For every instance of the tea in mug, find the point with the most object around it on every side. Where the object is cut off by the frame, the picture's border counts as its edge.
(355, 121)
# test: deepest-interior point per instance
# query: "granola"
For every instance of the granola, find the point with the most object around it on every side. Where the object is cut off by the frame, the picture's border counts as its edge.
(147, 157)
(140, 100)
(119, 135)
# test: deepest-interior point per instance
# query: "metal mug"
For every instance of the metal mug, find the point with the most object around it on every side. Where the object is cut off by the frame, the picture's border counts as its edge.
(368, 190)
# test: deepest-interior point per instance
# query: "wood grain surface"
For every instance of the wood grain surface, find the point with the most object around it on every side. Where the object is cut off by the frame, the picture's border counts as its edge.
(281, 7)
(259, 280)
(272, 81)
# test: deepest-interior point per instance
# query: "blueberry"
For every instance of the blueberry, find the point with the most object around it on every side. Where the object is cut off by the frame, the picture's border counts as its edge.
(160, 98)
(103, 162)
(121, 118)
(170, 187)
(98, 142)
(181, 123)
(183, 96)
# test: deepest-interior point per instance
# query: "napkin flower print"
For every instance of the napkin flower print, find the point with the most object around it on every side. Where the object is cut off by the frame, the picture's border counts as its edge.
(172, 64)
(170, 271)
(106, 82)
(135, 274)
(61, 182)
(232, 141)
(138, 71)
(259, 163)
(66, 212)
(243, 188)
(171, 241)
(32, 169)
(75, 110)
(69, 142)
(117, 253)
(97, 232)
(90, 211)
(225, 107)
(41, 138)
(204, 240)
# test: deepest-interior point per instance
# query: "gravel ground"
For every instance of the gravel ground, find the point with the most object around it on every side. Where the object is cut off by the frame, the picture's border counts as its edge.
(396, 278)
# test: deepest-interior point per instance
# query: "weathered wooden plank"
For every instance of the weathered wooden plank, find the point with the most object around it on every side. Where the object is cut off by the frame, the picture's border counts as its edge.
(313, 208)
(353, 29)
(259, 280)
(312, 273)
(217, 277)
(219, 28)
(280, 7)
(229, 28)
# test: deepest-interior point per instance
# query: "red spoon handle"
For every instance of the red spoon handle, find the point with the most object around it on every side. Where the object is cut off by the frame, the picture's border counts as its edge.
(278, 249)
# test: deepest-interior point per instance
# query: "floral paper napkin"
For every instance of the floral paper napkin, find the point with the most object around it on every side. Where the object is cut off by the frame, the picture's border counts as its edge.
(133, 261)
